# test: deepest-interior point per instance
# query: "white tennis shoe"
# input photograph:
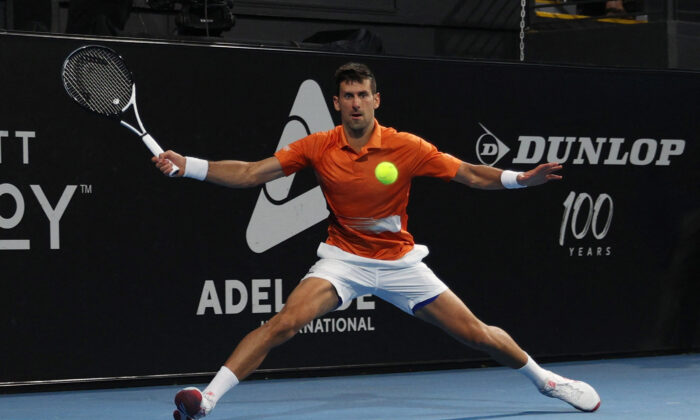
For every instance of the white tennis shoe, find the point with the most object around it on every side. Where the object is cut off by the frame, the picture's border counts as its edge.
(579, 394)
(191, 404)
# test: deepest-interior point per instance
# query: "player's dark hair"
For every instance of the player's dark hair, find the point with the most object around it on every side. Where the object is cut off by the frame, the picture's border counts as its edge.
(354, 72)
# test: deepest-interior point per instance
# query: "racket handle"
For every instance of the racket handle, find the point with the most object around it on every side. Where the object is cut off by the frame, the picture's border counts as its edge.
(155, 148)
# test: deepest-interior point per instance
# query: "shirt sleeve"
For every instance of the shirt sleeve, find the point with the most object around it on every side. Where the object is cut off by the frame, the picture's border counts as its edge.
(431, 162)
(297, 155)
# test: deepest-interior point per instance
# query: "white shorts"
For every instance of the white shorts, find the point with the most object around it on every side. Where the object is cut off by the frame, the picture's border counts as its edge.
(406, 283)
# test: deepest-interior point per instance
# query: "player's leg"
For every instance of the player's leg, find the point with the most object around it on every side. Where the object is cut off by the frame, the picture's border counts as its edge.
(312, 298)
(448, 312)
(415, 289)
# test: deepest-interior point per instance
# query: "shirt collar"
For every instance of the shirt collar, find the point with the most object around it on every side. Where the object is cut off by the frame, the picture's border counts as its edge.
(375, 139)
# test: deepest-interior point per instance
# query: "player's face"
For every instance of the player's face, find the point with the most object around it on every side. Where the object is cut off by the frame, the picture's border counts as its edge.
(356, 104)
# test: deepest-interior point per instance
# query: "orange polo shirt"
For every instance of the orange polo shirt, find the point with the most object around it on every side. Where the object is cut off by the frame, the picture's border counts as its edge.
(367, 217)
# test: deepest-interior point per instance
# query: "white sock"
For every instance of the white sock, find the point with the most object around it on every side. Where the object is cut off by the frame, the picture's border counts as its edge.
(535, 373)
(221, 384)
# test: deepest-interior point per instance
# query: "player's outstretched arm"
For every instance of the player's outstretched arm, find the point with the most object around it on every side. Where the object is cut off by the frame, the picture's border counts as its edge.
(490, 178)
(230, 173)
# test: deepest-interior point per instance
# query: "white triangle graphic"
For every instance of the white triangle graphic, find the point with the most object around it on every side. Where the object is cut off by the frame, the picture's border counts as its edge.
(272, 224)
(501, 148)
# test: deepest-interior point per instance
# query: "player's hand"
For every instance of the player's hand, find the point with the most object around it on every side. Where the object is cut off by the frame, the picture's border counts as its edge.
(164, 162)
(541, 174)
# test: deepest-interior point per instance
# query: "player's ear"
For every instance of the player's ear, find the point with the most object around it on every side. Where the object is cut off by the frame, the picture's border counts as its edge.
(377, 100)
(336, 104)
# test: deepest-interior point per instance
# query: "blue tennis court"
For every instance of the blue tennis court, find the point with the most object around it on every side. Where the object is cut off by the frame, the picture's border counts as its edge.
(666, 387)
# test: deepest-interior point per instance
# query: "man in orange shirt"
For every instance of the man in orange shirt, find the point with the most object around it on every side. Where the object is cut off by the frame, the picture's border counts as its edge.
(368, 250)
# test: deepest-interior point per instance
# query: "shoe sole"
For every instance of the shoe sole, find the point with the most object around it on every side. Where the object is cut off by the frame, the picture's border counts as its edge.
(177, 415)
(591, 410)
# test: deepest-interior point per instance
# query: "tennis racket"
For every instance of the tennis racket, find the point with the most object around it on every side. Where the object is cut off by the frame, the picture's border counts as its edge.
(97, 78)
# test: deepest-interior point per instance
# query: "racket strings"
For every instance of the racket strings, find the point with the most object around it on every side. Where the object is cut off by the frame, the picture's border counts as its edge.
(98, 79)
(100, 89)
(106, 79)
(108, 91)
(110, 96)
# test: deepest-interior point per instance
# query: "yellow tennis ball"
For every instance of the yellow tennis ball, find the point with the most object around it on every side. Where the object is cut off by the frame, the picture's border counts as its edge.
(386, 173)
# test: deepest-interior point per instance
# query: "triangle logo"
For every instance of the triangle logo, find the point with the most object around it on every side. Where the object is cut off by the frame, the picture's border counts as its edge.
(275, 217)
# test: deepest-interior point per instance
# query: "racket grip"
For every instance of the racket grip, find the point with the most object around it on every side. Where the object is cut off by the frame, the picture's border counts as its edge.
(155, 148)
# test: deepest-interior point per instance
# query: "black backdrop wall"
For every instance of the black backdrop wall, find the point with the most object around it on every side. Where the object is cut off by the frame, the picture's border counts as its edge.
(110, 269)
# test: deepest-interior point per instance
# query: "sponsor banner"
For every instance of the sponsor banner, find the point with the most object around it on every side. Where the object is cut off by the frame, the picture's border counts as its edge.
(103, 258)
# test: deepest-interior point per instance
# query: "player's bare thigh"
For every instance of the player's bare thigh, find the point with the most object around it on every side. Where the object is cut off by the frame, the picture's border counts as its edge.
(451, 314)
(312, 298)
(454, 317)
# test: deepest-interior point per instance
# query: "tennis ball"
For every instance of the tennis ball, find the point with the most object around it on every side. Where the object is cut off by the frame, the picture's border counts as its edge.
(386, 173)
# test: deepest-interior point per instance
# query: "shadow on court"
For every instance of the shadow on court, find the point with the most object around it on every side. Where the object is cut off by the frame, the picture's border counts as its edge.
(381, 407)
(520, 414)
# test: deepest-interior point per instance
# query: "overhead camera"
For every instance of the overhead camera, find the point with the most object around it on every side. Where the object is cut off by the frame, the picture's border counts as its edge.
(198, 17)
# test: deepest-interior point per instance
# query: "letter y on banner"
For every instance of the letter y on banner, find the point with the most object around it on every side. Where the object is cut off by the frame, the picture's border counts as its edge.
(273, 223)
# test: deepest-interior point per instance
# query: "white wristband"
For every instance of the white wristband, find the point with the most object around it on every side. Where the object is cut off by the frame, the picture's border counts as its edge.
(509, 179)
(196, 168)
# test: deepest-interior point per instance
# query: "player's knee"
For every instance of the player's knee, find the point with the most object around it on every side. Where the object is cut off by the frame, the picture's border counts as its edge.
(480, 337)
(283, 326)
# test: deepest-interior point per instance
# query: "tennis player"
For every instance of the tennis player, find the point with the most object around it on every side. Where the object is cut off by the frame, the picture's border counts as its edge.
(368, 250)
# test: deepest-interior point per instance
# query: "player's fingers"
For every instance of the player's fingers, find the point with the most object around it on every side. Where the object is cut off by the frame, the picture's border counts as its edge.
(170, 155)
(551, 166)
(165, 162)
(174, 157)
(548, 168)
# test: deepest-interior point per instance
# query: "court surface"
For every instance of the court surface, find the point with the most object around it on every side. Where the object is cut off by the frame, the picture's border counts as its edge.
(665, 387)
